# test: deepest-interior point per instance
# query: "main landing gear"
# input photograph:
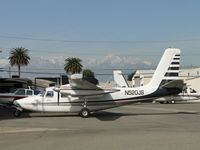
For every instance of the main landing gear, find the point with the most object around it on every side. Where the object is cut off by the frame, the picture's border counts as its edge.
(85, 112)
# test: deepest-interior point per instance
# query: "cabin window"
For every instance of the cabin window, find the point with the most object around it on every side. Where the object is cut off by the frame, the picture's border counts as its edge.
(49, 94)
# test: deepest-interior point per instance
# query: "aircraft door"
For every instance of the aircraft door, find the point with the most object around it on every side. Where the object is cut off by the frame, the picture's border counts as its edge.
(48, 100)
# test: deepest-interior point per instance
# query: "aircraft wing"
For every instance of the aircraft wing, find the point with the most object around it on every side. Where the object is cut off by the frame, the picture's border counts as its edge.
(82, 84)
(80, 87)
(83, 93)
(174, 84)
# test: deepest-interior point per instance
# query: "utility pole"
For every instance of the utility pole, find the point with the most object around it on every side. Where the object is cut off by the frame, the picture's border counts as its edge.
(60, 79)
(9, 72)
(0, 51)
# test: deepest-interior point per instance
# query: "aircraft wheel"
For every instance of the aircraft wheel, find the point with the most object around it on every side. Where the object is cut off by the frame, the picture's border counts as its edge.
(17, 113)
(84, 113)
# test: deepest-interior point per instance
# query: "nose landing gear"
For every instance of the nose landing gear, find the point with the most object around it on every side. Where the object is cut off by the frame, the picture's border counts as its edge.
(17, 112)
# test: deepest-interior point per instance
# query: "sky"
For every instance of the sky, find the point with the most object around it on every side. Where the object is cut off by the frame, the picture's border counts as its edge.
(122, 34)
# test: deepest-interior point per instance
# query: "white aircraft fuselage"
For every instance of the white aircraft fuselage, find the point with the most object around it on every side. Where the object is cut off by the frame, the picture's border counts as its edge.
(64, 102)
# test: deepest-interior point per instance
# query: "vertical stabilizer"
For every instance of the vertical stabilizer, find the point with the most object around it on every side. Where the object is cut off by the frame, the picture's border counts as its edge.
(168, 68)
(119, 78)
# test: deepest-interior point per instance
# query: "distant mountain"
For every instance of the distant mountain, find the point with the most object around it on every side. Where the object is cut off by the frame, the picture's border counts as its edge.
(103, 65)
(113, 61)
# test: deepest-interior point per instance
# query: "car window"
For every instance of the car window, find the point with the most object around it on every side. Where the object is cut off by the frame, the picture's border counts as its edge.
(20, 92)
(29, 92)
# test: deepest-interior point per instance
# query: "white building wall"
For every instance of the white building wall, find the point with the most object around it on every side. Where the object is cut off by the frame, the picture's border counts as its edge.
(190, 76)
(194, 83)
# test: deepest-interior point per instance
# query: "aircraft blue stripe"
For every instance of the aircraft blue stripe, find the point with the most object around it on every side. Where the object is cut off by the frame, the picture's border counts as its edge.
(171, 74)
(175, 63)
(173, 68)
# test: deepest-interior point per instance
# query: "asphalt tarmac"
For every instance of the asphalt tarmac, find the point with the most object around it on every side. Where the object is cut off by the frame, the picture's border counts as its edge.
(132, 127)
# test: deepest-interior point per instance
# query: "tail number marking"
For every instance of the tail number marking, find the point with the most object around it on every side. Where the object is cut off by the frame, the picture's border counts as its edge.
(134, 92)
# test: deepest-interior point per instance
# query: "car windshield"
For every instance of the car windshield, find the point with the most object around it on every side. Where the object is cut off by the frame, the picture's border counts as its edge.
(20, 92)
(13, 91)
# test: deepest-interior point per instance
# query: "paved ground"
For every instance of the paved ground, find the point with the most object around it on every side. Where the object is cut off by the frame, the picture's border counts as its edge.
(138, 127)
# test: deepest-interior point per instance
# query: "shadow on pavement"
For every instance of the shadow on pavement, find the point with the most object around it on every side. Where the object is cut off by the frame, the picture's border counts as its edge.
(8, 113)
(111, 116)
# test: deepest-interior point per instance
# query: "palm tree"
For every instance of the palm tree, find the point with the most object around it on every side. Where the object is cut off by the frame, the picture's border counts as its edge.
(73, 65)
(19, 57)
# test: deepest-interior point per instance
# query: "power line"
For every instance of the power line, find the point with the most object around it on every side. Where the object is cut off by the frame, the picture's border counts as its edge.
(95, 54)
(32, 72)
(101, 41)
(50, 73)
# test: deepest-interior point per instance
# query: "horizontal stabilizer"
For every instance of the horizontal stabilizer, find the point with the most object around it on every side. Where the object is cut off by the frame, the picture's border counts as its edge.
(174, 84)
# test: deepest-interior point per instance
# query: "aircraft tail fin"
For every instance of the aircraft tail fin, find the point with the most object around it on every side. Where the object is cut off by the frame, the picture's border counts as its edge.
(167, 69)
(119, 79)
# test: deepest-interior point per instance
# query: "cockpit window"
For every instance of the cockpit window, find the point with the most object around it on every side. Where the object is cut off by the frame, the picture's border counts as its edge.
(49, 94)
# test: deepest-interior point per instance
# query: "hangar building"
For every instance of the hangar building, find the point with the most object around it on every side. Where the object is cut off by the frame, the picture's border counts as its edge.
(191, 77)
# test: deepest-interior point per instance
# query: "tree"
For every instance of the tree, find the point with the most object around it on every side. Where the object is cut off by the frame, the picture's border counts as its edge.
(73, 65)
(87, 73)
(89, 76)
(130, 76)
(19, 57)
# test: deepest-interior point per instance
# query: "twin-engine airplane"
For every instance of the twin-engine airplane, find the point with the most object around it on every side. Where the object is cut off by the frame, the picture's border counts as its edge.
(83, 97)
